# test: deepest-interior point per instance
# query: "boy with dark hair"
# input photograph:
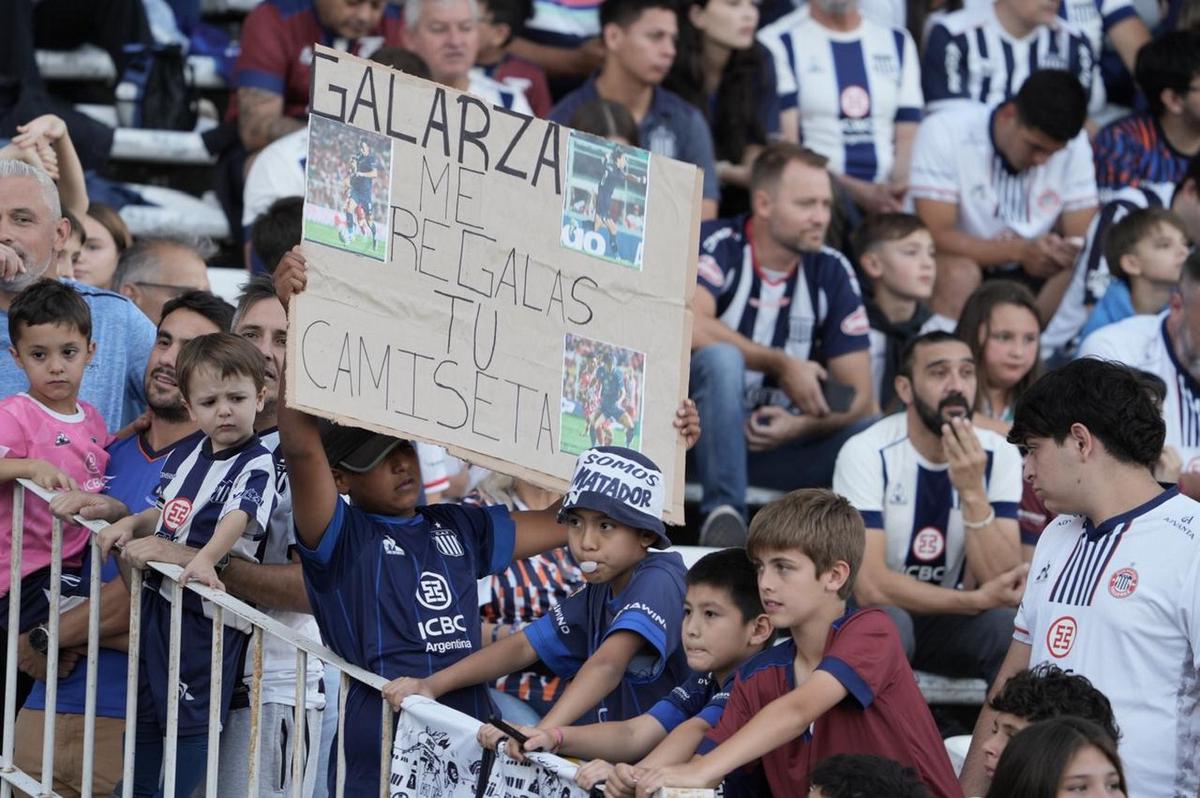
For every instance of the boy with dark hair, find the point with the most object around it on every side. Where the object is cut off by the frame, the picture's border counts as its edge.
(64, 262)
(639, 41)
(1021, 218)
(1145, 252)
(1114, 587)
(841, 684)
(1150, 149)
(723, 626)
(617, 639)
(216, 495)
(276, 231)
(895, 252)
(1040, 693)
(864, 776)
(50, 436)
(500, 21)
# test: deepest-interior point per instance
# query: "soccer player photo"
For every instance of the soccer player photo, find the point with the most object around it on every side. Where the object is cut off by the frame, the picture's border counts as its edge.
(604, 206)
(348, 188)
(603, 386)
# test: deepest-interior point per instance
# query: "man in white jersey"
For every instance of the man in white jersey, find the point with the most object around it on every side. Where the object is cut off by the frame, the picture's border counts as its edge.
(986, 51)
(1114, 587)
(1009, 190)
(445, 34)
(849, 89)
(1090, 277)
(939, 500)
(1166, 345)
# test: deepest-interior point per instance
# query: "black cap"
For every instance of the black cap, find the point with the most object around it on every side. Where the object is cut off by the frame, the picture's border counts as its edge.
(356, 450)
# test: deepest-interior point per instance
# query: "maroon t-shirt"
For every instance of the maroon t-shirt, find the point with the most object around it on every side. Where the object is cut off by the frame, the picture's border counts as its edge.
(883, 713)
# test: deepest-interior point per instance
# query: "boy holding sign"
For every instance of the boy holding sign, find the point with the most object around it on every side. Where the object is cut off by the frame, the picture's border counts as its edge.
(365, 563)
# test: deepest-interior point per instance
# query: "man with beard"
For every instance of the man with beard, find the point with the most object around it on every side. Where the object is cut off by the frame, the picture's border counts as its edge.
(1166, 345)
(939, 500)
(32, 232)
(135, 464)
(779, 322)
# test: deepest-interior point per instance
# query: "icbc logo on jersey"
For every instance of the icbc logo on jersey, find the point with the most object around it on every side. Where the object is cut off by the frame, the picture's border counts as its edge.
(1123, 583)
(176, 513)
(1060, 638)
(928, 544)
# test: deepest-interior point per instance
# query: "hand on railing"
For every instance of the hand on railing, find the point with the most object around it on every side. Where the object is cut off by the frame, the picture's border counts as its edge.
(49, 477)
(395, 691)
(87, 506)
(115, 534)
(201, 570)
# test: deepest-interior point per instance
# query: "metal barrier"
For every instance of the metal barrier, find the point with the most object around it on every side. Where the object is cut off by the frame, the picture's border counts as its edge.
(12, 777)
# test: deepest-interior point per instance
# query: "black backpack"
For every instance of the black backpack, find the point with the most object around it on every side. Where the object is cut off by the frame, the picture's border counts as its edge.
(157, 89)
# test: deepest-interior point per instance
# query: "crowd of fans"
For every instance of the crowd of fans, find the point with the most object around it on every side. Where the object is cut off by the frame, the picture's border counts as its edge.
(947, 320)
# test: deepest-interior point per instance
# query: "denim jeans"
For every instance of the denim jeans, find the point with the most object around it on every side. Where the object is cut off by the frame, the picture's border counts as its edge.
(723, 464)
(191, 760)
(961, 646)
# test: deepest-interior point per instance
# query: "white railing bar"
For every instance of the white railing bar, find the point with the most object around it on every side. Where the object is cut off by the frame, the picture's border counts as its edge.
(243, 610)
(385, 748)
(131, 680)
(14, 631)
(216, 667)
(51, 712)
(171, 746)
(343, 692)
(299, 725)
(255, 753)
(93, 669)
(26, 784)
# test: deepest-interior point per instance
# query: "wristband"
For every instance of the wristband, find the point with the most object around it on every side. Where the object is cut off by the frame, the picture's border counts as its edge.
(987, 520)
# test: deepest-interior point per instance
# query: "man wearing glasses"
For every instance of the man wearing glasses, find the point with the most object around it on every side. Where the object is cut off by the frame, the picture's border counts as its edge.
(156, 270)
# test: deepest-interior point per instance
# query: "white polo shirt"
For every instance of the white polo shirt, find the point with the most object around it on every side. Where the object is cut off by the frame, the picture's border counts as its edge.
(955, 160)
(1141, 342)
(913, 501)
(1120, 604)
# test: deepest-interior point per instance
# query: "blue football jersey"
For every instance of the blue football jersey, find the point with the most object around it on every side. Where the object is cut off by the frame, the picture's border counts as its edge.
(399, 597)
(651, 605)
(700, 696)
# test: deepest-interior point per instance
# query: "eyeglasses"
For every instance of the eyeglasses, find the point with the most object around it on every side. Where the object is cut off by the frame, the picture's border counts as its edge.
(175, 290)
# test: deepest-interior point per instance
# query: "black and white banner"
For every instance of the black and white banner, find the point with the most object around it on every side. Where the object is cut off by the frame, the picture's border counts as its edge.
(435, 755)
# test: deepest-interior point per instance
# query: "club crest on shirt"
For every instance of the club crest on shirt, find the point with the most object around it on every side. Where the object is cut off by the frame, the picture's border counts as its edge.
(1060, 637)
(176, 512)
(447, 542)
(1123, 583)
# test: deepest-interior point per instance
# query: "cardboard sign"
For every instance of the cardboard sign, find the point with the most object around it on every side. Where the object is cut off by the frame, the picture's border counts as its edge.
(500, 285)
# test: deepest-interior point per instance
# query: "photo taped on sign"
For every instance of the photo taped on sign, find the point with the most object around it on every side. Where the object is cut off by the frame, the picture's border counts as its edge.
(604, 204)
(603, 387)
(348, 189)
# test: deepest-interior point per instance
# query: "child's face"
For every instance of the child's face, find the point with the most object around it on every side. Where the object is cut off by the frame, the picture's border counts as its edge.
(65, 265)
(789, 586)
(1010, 348)
(1159, 256)
(1004, 728)
(391, 488)
(223, 407)
(53, 357)
(612, 546)
(906, 267)
(716, 638)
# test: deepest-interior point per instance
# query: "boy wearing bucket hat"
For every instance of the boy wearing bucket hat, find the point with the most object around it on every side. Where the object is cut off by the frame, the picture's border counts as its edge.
(618, 638)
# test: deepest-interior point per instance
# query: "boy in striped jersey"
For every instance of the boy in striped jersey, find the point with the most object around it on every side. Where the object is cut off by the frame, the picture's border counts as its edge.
(216, 495)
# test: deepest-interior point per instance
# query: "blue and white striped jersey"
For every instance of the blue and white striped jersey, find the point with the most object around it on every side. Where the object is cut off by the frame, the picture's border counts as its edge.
(969, 56)
(913, 501)
(815, 312)
(850, 89)
(1093, 18)
(198, 488)
(1090, 279)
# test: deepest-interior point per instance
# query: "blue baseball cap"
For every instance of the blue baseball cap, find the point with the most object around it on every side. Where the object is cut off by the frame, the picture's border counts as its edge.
(624, 485)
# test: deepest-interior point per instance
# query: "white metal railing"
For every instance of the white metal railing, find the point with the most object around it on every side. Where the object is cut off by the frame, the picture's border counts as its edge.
(12, 777)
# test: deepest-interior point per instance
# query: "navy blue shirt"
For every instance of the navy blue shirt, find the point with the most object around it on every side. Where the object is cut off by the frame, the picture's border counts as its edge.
(398, 597)
(672, 127)
(700, 696)
(360, 184)
(651, 605)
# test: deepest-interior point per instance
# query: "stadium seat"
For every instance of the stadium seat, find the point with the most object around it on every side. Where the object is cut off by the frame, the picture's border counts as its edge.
(90, 63)
(175, 212)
